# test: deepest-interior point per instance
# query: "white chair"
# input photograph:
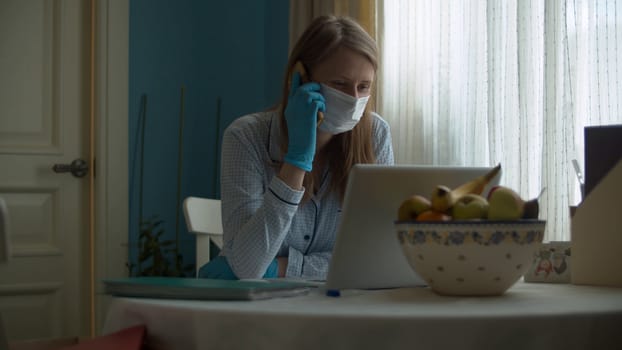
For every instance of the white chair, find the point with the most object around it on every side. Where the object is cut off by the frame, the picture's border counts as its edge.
(4, 257)
(204, 219)
(5, 252)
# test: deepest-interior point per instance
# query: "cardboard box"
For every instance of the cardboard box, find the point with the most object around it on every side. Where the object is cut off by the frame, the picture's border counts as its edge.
(596, 234)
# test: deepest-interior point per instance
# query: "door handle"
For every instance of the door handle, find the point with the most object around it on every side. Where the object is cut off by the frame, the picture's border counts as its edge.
(77, 168)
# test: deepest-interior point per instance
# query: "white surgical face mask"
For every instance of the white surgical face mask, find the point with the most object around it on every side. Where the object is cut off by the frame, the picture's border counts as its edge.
(343, 111)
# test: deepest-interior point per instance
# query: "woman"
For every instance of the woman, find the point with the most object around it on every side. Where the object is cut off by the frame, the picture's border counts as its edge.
(284, 172)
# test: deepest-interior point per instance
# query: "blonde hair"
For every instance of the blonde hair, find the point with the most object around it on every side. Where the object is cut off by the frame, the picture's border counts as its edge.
(321, 39)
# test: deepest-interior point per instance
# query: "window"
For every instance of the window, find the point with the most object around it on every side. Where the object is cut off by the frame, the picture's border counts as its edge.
(481, 82)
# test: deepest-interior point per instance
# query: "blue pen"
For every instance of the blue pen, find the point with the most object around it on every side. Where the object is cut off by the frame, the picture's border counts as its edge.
(333, 293)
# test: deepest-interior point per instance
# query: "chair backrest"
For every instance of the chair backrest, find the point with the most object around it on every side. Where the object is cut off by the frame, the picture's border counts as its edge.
(204, 219)
(5, 252)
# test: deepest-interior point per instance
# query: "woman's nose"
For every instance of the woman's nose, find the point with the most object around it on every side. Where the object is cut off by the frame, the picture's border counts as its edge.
(352, 91)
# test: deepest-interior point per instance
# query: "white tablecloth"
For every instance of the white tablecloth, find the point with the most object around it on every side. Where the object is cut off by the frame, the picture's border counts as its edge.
(528, 316)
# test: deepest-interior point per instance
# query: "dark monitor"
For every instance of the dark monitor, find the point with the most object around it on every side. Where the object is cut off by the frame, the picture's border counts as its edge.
(603, 150)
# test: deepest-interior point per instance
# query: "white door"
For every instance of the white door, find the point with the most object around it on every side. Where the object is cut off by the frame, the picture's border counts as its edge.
(44, 120)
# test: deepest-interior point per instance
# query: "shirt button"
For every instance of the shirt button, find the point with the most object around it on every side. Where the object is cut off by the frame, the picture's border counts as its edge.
(307, 237)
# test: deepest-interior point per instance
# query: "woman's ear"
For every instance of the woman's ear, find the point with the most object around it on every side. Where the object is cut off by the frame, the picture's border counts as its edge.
(300, 68)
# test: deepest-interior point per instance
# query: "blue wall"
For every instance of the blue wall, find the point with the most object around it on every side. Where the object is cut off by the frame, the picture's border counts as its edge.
(229, 56)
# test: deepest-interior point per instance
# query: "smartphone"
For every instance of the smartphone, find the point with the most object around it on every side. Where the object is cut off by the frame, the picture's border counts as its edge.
(300, 68)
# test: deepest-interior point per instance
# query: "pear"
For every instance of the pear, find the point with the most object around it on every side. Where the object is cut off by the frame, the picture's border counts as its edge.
(532, 207)
(505, 204)
(412, 206)
(470, 206)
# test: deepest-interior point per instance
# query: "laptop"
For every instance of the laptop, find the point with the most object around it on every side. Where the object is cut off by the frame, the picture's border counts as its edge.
(367, 254)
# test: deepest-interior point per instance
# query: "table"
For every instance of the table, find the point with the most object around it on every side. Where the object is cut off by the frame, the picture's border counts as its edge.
(528, 316)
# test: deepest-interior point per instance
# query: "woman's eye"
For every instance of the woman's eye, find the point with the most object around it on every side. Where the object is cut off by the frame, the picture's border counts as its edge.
(364, 88)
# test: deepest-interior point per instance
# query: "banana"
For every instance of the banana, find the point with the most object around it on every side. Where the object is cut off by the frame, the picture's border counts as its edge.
(475, 186)
(442, 199)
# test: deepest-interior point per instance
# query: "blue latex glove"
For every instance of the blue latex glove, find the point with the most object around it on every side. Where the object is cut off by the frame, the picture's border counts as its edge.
(219, 268)
(303, 104)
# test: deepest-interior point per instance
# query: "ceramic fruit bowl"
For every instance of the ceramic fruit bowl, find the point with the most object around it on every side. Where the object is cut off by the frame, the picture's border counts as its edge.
(471, 257)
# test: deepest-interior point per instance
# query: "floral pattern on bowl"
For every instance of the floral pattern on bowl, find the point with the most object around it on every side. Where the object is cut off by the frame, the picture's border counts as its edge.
(470, 257)
(470, 236)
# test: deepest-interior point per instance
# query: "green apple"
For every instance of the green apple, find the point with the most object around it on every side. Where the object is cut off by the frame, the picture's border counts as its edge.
(470, 206)
(505, 204)
(412, 206)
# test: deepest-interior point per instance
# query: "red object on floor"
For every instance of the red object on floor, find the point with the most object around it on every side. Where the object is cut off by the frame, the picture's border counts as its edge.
(126, 339)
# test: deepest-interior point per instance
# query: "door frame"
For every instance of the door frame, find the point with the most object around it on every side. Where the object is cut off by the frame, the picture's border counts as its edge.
(111, 148)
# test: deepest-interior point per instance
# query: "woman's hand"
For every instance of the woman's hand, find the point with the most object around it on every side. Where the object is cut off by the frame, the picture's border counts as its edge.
(282, 261)
(303, 104)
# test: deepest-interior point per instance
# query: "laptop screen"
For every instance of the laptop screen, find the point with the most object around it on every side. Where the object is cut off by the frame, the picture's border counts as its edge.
(367, 254)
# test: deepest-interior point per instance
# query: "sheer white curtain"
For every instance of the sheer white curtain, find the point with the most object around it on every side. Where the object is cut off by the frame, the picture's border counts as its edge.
(481, 82)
